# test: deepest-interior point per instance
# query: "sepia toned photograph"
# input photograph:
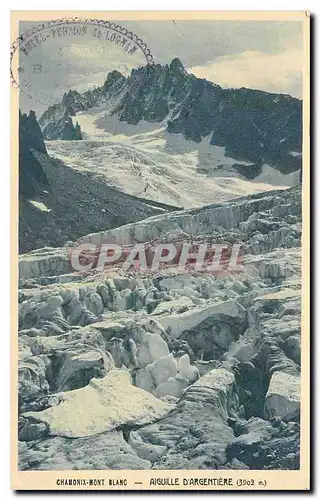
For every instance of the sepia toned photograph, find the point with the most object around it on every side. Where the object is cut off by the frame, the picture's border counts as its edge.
(161, 183)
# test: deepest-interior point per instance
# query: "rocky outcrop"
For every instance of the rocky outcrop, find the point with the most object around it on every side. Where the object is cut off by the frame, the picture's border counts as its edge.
(32, 178)
(64, 129)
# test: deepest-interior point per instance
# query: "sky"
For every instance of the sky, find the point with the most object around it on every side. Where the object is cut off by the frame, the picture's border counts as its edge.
(264, 55)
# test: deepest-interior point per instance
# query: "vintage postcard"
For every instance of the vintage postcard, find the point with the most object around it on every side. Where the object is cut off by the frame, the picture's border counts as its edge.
(160, 250)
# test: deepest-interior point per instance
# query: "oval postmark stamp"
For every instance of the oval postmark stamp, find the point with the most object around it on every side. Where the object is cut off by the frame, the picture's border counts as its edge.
(50, 58)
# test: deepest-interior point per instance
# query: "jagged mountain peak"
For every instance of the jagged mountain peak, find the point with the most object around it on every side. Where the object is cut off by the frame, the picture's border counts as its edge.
(176, 65)
(31, 131)
(114, 77)
(252, 125)
(70, 96)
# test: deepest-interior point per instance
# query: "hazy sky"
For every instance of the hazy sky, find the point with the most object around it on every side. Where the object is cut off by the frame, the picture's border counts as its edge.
(264, 55)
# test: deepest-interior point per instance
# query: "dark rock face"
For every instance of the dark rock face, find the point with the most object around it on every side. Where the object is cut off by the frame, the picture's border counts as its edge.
(251, 124)
(63, 129)
(31, 175)
(56, 122)
(115, 78)
(71, 132)
(77, 132)
(258, 126)
(78, 203)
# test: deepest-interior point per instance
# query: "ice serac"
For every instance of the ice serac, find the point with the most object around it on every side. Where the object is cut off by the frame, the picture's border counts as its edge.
(44, 262)
(169, 369)
(108, 450)
(196, 435)
(213, 222)
(225, 311)
(283, 396)
(210, 220)
(103, 405)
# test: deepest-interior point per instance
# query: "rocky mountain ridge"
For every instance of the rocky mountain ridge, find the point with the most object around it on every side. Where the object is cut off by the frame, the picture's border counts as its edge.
(250, 124)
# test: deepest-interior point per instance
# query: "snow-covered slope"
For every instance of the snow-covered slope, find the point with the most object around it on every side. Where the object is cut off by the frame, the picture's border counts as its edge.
(146, 161)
